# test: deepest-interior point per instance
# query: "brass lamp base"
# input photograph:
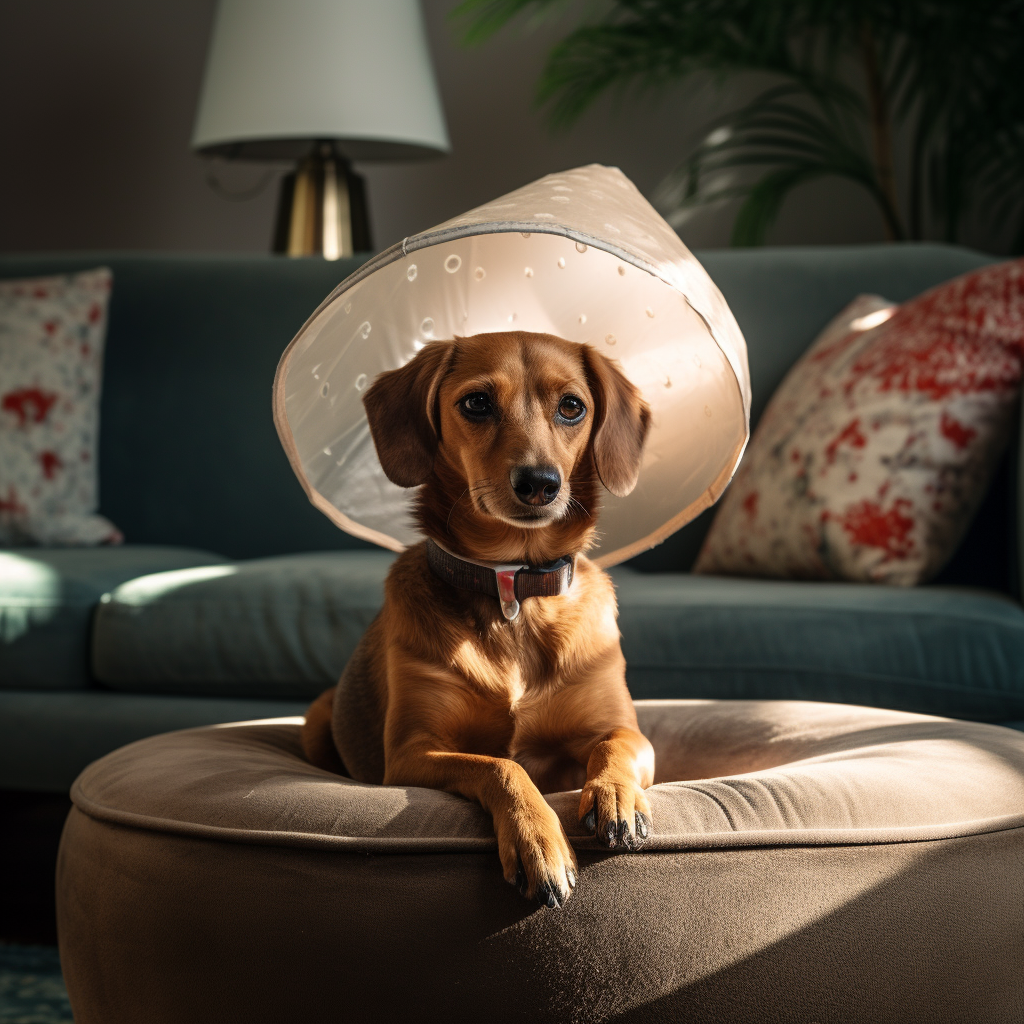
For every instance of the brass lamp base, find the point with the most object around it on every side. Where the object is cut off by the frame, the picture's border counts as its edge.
(321, 209)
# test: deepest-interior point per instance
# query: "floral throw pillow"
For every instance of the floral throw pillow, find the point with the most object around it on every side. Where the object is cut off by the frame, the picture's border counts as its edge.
(52, 331)
(877, 448)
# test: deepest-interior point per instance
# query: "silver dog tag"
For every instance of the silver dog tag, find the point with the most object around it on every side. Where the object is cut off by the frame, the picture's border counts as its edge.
(506, 576)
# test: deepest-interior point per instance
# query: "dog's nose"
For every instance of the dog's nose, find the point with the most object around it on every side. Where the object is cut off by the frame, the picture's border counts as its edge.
(536, 485)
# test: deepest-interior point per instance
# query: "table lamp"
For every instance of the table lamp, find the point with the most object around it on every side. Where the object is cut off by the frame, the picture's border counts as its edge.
(322, 82)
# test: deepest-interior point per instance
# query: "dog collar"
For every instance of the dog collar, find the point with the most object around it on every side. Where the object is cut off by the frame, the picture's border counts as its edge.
(509, 582)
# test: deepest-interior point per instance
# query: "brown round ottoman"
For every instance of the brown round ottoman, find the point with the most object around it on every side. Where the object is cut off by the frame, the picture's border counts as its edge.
(813, 863)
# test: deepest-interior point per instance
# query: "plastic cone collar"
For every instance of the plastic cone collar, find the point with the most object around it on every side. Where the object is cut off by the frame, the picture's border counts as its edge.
(581, 255)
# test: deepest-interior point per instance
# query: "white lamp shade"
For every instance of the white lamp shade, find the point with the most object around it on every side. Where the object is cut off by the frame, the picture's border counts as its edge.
(282, 73)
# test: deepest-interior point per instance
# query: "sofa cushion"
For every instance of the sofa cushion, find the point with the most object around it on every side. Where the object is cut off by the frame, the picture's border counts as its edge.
(285, 627)
(782, 297)
(46, 739)
(273, 627)
(47, 597)
(936, 650)
(878, 447)
(52, 331)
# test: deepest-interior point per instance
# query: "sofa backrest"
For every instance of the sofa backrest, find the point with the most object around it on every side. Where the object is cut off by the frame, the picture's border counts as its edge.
(782, 298)
(188, 450)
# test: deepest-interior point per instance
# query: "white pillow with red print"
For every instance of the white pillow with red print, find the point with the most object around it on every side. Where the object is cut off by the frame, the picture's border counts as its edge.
(52, 331)
(877, 448)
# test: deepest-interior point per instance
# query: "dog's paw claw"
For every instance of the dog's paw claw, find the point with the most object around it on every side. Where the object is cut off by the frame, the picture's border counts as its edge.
(549, 896)
(618, 814)
(611, 833)
(643, 826)
(536, 855)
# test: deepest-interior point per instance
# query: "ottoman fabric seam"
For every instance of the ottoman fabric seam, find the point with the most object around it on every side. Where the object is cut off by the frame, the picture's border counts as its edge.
(710, 840)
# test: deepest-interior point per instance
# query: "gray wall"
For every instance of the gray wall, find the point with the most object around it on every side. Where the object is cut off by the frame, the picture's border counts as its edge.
(97, 101)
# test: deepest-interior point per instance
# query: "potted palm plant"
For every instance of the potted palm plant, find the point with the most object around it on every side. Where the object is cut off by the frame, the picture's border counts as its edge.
(846, 78)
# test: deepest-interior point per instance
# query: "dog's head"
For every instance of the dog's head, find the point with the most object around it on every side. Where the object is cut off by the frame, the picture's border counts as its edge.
(518, 425)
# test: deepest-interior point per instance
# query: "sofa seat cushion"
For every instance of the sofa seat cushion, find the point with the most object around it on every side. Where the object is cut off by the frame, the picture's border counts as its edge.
(285, 627)
(47, 739)
(936, 650)
(47, 597)
(273, 627)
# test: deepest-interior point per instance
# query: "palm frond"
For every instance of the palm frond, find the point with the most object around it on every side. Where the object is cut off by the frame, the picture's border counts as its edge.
(481, 19)
(947, 71)
(793, 138)
(764, 200)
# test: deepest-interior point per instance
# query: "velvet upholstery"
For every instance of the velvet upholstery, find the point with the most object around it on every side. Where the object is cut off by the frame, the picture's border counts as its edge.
(47, 600)
(286, 627)
(48, 737)
(271, 627)
(188, 452)
(813, 862)
(938, 650)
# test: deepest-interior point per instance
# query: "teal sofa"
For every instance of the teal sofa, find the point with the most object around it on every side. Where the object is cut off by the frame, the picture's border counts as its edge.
(233, 599)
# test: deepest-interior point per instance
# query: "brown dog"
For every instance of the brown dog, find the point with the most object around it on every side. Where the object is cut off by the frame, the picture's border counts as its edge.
(509, 436)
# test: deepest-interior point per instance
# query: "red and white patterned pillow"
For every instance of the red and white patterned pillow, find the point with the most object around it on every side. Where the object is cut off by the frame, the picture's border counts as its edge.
(52, 331)
(877, 448)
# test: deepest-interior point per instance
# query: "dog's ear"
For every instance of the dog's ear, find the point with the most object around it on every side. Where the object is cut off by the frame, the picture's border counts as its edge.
(621, 422)
(401, 407)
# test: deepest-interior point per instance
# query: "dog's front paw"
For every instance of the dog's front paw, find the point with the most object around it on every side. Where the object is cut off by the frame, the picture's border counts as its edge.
(536, 856)
(617, 813)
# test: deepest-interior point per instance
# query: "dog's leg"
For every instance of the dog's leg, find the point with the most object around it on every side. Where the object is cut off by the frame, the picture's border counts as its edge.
(614, 806)
(317, 742)
(535, 854)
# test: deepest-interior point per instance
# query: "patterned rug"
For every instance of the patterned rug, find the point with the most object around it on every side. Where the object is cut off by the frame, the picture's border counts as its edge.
(31, 987)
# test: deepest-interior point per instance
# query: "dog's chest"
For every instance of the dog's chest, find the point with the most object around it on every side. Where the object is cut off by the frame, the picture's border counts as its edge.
(530, 653)
(514, 672)
(503, 668)
(548, 643)
(514, 719)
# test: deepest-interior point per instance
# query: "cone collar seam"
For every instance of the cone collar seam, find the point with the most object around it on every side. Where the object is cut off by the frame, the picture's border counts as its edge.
(427, 240)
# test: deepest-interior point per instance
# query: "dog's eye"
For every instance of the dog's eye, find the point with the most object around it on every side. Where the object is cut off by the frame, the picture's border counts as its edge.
(476, 406)
(571, 409)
